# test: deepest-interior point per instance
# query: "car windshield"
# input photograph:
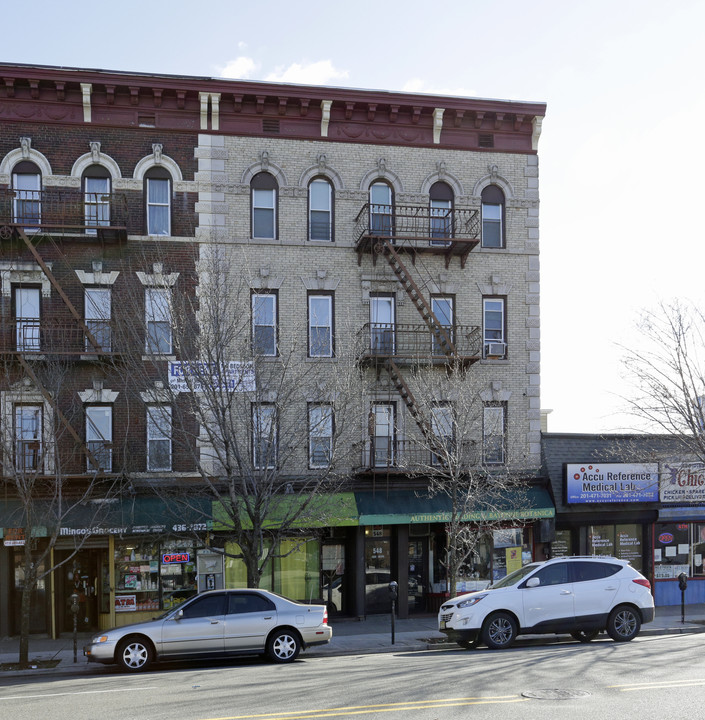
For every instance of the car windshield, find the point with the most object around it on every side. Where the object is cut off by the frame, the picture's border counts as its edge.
(515, 577)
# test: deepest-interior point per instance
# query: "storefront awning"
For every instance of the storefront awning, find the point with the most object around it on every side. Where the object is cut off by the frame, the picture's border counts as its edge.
(399, 507)
(681, 514)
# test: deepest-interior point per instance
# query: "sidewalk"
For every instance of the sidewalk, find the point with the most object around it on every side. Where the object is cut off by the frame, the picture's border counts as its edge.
(350, 637)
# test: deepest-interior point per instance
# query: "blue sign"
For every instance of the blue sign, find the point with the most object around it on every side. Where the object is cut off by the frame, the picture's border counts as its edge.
(611, 483)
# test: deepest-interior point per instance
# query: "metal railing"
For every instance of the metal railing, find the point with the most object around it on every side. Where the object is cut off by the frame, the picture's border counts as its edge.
(384, 453)
(399, 340)
(51, 336)
(436, 226)
(35, 210)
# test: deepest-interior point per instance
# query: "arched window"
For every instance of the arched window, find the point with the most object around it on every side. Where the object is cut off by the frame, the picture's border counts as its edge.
(96, 193)
(264, 192)
(381, 209)
(27, 203)
(441, 200)
(157, 191)
(492, 217)
(320, 210)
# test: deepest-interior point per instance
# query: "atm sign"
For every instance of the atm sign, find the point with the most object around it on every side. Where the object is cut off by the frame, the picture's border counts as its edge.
(172, 558)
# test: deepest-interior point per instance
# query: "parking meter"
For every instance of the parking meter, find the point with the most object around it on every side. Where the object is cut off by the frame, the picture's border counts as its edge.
(682, 584)
(74, 611)
(74, 604)
(393, 593)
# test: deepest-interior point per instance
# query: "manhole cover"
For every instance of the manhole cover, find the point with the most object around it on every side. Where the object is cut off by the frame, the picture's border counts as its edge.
(553, 694)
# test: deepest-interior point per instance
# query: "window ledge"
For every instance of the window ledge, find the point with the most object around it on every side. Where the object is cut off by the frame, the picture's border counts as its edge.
(157, 356)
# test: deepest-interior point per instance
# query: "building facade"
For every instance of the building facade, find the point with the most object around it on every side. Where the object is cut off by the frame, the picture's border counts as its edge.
(398, 230)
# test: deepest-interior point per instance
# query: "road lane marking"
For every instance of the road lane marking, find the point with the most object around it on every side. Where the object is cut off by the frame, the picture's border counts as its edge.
(662, 685)
(77, 692)
(365, 709)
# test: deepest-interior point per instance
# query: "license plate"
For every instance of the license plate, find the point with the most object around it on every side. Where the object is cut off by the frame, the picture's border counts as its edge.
(443, 624)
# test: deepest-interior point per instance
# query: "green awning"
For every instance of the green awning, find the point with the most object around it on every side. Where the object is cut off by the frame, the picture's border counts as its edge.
(326, 510)
(399, 507)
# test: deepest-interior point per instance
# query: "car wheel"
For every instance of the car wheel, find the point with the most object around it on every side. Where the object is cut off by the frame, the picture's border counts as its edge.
(134, 654)
(499, 631)
(623, 624)
(283, 646)
(584, 636)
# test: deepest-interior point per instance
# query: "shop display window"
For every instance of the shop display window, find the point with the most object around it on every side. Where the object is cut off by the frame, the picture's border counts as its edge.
(177, 572)
(136, 576)
(296, 573)
(679, 547)
(623, 541)
(562, 545)
(512, 550)
(236, 571)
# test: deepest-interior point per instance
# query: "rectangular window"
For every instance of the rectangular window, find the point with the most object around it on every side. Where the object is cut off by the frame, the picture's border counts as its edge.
(440, 221)
(158, 319)
(320, 325)
(320, 433)
(264, 323)
(443, 309)
(382, 324)
(99, 436)
(28, 437)
(320, 210)
(97, 202)
(491, 225)
(27, 204)
(158, 206)
(27, 319)
(493, 318)
(382, 431)
(158, 437)
(494, 434)
(443, 432)
(263, 219)
(97, 302)
(264, 436)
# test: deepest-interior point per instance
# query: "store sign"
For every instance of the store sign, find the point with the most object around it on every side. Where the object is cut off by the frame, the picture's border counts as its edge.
(612, 483)
(172, 558)
(193, 376)
(14, 537)
(683, 483)
(125, 603)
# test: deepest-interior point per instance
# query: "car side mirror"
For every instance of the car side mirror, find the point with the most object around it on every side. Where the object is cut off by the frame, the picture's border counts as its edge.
(179, 615)
(533, 582)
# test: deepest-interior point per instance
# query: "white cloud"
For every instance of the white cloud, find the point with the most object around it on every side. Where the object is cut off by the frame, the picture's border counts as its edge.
(240, 68)
(316, 73)
(417, 85)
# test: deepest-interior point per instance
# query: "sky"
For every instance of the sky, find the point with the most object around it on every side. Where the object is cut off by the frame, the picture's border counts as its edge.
(622, 155)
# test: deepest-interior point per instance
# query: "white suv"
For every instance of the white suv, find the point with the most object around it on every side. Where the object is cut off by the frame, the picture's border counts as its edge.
(576, 595)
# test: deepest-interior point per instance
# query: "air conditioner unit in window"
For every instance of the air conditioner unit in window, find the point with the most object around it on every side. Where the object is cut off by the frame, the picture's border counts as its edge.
(496, 349)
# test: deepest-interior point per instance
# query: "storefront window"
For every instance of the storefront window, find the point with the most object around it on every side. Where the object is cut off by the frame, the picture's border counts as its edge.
(136, 577)
(296, 574)
(378, 554)
(177, 572)
(678, 547)
(623, 541)
(562, 546)
(512, 550)
(236, 570)
(475, 573)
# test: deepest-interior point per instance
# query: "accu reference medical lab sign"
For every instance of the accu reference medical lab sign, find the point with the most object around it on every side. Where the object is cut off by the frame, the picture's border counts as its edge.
(611, 482)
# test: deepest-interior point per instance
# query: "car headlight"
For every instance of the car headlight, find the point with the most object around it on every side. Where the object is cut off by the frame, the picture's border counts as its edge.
(472, 600)
(100, 639)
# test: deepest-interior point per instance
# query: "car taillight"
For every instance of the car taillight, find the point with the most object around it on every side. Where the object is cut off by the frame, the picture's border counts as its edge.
(325, 617)
(642, 581)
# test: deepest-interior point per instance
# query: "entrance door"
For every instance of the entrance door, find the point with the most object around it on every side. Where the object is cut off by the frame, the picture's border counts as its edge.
(80, 575)
(382, 324)
(417, 574)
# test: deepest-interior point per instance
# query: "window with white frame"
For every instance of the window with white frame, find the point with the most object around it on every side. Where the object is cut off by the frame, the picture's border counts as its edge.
(264, 436)
(320, 433)
(99, 436)
(97, 308)
(320, 210)
(264, 324)
(158, 321)
(443, 431)
(27, 318)
(27, 202)
(383, 434)
(494, 323)
(96, 193)
(158, 437)
(441, 201)
(492, 217)
(263, 188)
(28, 437)
(158, 194)
(320, 325)
(494, 430)
(381, 209)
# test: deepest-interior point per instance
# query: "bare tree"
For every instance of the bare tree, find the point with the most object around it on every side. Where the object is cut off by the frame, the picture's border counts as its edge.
(461, 450)
(43, 471)
(666, 371)
(260, 426)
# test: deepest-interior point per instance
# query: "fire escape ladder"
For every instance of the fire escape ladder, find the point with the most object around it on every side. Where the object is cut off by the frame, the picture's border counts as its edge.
(440, 333)
(62, 418)
(401, 386)
(58, 288)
